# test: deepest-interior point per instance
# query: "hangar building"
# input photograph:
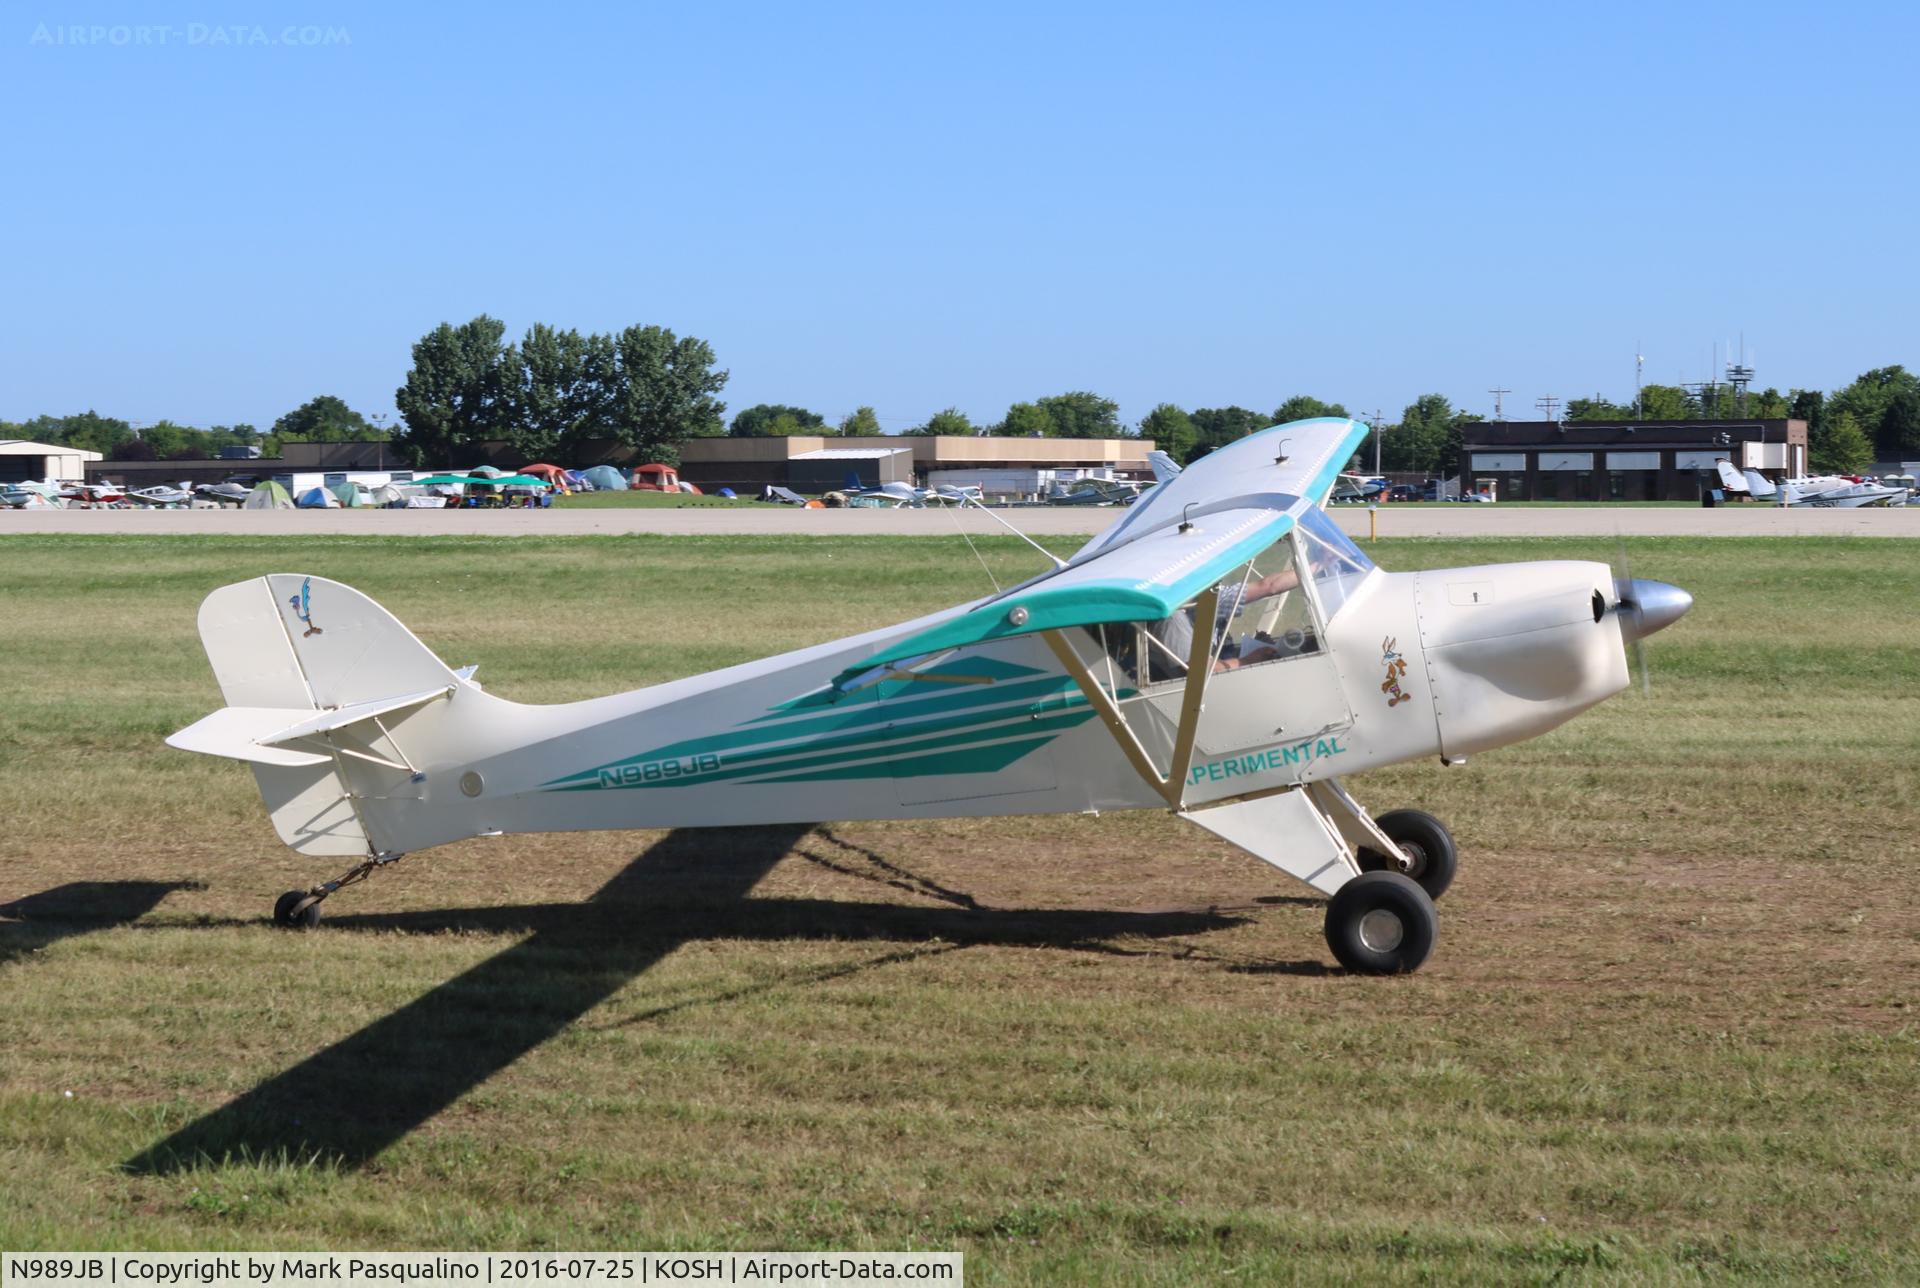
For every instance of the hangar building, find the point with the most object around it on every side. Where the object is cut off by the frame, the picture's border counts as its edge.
(1544, 460)
(22, 461)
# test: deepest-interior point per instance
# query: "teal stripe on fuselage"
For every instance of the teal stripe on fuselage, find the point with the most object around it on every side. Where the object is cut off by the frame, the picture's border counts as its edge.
(872, 761)
(868, 715)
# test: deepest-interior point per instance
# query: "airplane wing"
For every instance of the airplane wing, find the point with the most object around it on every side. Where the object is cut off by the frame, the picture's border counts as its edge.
(1190, 532)
(1299, 460)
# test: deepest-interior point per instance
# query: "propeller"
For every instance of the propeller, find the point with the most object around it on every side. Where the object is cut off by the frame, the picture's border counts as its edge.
(1644, 607)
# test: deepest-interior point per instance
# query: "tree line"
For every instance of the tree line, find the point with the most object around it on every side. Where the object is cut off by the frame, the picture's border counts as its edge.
(552, 391)
(325, 419)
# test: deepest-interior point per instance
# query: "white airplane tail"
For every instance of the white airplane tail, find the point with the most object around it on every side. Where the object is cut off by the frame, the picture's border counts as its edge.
(1164, 467)
(1730, 478)
(1759, 484)
(312, 671)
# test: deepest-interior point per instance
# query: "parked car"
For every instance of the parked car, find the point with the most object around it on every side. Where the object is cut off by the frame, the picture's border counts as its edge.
(1403, 492)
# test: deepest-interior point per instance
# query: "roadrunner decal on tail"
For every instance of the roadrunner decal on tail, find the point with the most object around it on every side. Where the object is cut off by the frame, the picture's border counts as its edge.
(303, 607)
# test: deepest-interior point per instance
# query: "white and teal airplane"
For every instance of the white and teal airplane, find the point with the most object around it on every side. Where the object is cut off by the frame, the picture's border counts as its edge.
(1221, 651)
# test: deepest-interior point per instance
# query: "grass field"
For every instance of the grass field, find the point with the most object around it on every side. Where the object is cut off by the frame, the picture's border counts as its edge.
(1668, 1034)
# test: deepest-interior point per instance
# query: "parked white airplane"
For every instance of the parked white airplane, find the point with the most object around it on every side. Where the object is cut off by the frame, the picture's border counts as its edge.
(1825, 490)
(1089, 687)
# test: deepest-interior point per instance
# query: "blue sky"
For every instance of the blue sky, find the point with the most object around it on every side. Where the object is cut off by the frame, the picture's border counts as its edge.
(912, 206)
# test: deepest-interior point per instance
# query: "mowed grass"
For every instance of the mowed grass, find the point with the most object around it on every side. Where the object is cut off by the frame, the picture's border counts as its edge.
(1667, 1036)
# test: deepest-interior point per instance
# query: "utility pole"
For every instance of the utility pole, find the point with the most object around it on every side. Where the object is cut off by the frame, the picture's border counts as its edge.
(1547, 407)
(1639, 369)
(1374, 420)
(1499, 407)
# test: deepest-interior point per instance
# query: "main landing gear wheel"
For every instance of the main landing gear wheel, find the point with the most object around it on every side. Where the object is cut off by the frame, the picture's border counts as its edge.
(288, 912)
(1428, 846)
(1382, 923)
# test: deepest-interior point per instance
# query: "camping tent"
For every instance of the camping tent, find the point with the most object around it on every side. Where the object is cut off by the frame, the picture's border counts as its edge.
(268, 496)
(553, 474)
(348, 495)
(486, 472)
(317, 498)
(389, 497)
(606, 479)
(575, 480)
(656, 478)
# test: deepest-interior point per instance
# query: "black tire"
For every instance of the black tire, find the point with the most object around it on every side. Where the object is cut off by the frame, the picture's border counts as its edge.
(284, 915)
(1426, 841)
(1382, 923)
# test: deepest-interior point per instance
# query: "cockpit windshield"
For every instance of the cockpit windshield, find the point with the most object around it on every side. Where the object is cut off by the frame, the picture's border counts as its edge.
(1338, 565)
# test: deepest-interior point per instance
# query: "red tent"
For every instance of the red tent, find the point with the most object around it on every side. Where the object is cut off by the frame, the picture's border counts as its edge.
(655, 478)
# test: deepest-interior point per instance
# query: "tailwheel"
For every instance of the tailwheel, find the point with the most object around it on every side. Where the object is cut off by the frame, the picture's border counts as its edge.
(1424, 839)
(296, 910)
(300, 909)
(1382, 923)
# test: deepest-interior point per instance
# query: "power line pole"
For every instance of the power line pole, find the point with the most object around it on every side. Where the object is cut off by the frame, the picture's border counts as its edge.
(1547, 406)
(1499, 407)
(1374, 420)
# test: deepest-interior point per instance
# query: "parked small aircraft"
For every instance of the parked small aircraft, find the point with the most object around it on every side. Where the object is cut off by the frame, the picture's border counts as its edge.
(1221, 651)
(1827, 491)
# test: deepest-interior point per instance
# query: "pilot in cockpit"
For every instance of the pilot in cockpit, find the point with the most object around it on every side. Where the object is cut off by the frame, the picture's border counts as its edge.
(1173, 637)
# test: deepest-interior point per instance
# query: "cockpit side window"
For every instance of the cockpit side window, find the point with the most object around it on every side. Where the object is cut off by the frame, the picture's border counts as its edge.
(1262, 616)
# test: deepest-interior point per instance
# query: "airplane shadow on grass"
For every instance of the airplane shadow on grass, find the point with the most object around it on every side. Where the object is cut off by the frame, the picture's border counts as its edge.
(77, 908)
(347, 1103)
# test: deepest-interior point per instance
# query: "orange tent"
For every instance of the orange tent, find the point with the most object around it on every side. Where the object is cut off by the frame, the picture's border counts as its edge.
(551, 473)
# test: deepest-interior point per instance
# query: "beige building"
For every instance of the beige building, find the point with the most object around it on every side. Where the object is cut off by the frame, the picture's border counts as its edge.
(793, 462)
(22, 461)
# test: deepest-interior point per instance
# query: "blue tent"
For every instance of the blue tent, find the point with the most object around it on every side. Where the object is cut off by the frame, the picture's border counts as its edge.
(729, 493)
(606, 479)
(574, 478)
(318, 498)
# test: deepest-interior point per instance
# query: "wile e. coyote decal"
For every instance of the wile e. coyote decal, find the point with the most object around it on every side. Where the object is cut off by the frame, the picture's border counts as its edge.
(1396, 667)
(303, 607)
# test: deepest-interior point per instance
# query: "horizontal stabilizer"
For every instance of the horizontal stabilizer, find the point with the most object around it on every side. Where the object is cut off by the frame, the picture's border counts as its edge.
(238, 733)
(312, 725)
(1759, 484)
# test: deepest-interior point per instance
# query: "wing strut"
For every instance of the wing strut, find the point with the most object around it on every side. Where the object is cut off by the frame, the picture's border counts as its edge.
(1173, 784)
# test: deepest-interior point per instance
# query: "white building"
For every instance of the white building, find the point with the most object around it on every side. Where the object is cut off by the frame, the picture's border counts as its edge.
(22, 461)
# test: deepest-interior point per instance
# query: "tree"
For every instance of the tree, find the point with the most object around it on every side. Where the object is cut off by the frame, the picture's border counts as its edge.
(1597, 408)
(1026, 420)
(89, 431)
(462, 390)
(1841, 447)
(1171, 430)
(665, 387)
(1082, 415)
(860, 423)
(564, 392)
(324, 419)
(1305, 407)
(759, 421)
(1874, 400)
(1667, 402)
(1419, 442)
(950, 423)
(1218, 426)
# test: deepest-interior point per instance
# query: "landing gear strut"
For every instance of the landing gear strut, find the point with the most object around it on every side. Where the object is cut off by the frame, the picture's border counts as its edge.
(1424, 839)
(300, 909)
